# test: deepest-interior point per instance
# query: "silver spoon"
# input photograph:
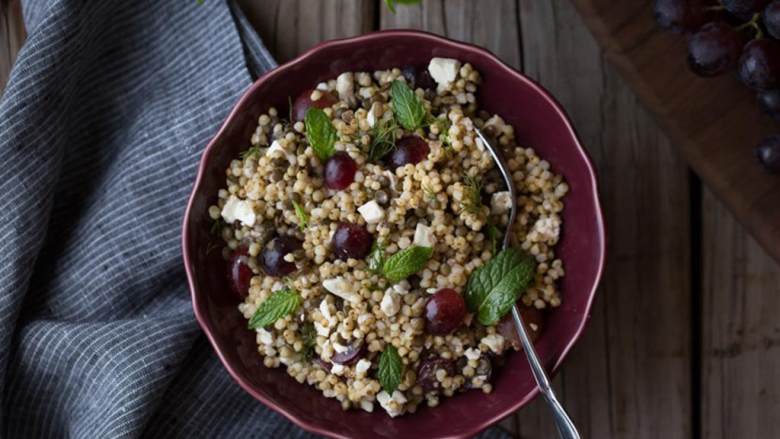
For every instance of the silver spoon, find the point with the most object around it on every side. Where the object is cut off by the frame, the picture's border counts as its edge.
(566, 428)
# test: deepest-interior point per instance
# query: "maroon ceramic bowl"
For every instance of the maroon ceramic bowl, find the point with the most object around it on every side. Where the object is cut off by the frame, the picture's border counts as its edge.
(539, 122)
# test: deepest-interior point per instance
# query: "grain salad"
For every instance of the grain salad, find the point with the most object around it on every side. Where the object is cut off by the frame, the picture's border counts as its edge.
(362, 231)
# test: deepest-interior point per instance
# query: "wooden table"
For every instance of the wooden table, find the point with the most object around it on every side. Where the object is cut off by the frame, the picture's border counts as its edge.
(684, 339)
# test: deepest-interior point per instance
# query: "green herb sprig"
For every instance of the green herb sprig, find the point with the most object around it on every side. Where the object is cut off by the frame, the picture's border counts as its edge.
(309, 337)
(382, 139)
(391, 369)
(472, 198)
(494, 287)
(303, 217)
(253, 152)
(320, 132)
(406, 262)
(376, 258)
(407, 106)
(281, 303)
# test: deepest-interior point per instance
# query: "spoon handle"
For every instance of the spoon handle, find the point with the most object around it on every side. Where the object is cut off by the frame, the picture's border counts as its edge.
(566, 427)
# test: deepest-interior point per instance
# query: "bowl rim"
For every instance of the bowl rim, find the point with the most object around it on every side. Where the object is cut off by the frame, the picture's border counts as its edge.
(282, 69)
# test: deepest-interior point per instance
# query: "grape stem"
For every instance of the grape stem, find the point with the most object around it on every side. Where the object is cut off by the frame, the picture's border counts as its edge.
(754, 24)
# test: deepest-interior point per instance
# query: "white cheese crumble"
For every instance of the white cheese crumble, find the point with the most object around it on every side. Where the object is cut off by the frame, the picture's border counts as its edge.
(493, 341)
(472, 353)
(500, 202)
(236, 209)
(367, 405)
(265, 337)
(371, 212)
(548, 228)
(402, 287)
(338, 347)
(345, 86)
(371, 118)
(362, 367)
(423, 236)
(444, 71)
(391, 303)
(321, 329)
(337, 369)
(391, 404)
(276, 150)
(340, 287)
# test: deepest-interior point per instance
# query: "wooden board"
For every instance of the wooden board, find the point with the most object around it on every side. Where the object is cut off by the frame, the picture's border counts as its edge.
(741, 332)
(714, 122)
(632, 367)
(11, 37)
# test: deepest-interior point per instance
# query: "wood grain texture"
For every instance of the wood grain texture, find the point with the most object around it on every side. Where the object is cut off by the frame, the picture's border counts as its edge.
(632, 367)
(714, 122)
(289, 27)
(626, 373)
(741, 331)
(11, 37)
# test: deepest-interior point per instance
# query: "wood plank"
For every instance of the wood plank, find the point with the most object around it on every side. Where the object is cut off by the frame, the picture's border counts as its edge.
(630, 374)
(12, 36)
(714, 122)
(741, 331)
(289, 27)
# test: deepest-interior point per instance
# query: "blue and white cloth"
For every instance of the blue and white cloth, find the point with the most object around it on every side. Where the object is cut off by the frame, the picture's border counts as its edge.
(102, 124)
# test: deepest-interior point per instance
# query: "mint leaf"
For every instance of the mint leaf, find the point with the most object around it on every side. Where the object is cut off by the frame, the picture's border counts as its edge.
(390, 369)
(376, 258)
(320, 132)
(407, 107)
(495, 286)
(406, 262)
(303, 217)
(278, 305)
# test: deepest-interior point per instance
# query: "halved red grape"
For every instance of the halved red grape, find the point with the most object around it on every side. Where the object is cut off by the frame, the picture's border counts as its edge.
(771, 19)
(274, 253)
(303, 102)
(444, 312)
(409, 149)
(744, 9)
(759, 65)
(768, 153)
(531, 317)
(239, 272)
(714, 49)
(340, 171)
(351, 241)
(426, 370)
(418, 78)
(351, 355)
(679, 15)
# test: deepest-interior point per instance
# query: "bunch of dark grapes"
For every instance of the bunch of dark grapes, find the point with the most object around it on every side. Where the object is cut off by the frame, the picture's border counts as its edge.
(741, 35)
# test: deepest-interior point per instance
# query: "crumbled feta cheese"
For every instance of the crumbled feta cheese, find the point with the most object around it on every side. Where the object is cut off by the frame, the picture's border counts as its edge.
(338, 347)
(276, 150)
(265, 337)
(500, 202)
(391, 303)
(236, 209)
(340, 287)
(472, 353)
(321, 329)
(480, 145)
(362, 367)
(431, 290)
(444, 71)
(371, 118)
(345, 86)
(362, 318)
(367, 405)
(423, 236)
(392, 404)
(494, 341)
(371, 212)
(402, 287)
(337, 369)
(548, 228)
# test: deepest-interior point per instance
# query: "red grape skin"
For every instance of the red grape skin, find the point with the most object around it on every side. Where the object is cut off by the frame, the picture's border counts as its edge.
(769, 101)
(408, 150)
(744, 9)
(759, 65)
(274, 253)
(239, 272)
(340, 171)
(714, 49)
(303, 102)
(768, 153)
(771, 19)
(351, 241)
(444, 312)
(679, 15)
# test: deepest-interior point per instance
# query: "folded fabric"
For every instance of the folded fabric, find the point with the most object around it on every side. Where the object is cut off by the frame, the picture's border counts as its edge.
(102, 124)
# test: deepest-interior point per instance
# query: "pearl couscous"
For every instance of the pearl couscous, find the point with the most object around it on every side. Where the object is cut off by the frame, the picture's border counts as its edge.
(354, 223)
